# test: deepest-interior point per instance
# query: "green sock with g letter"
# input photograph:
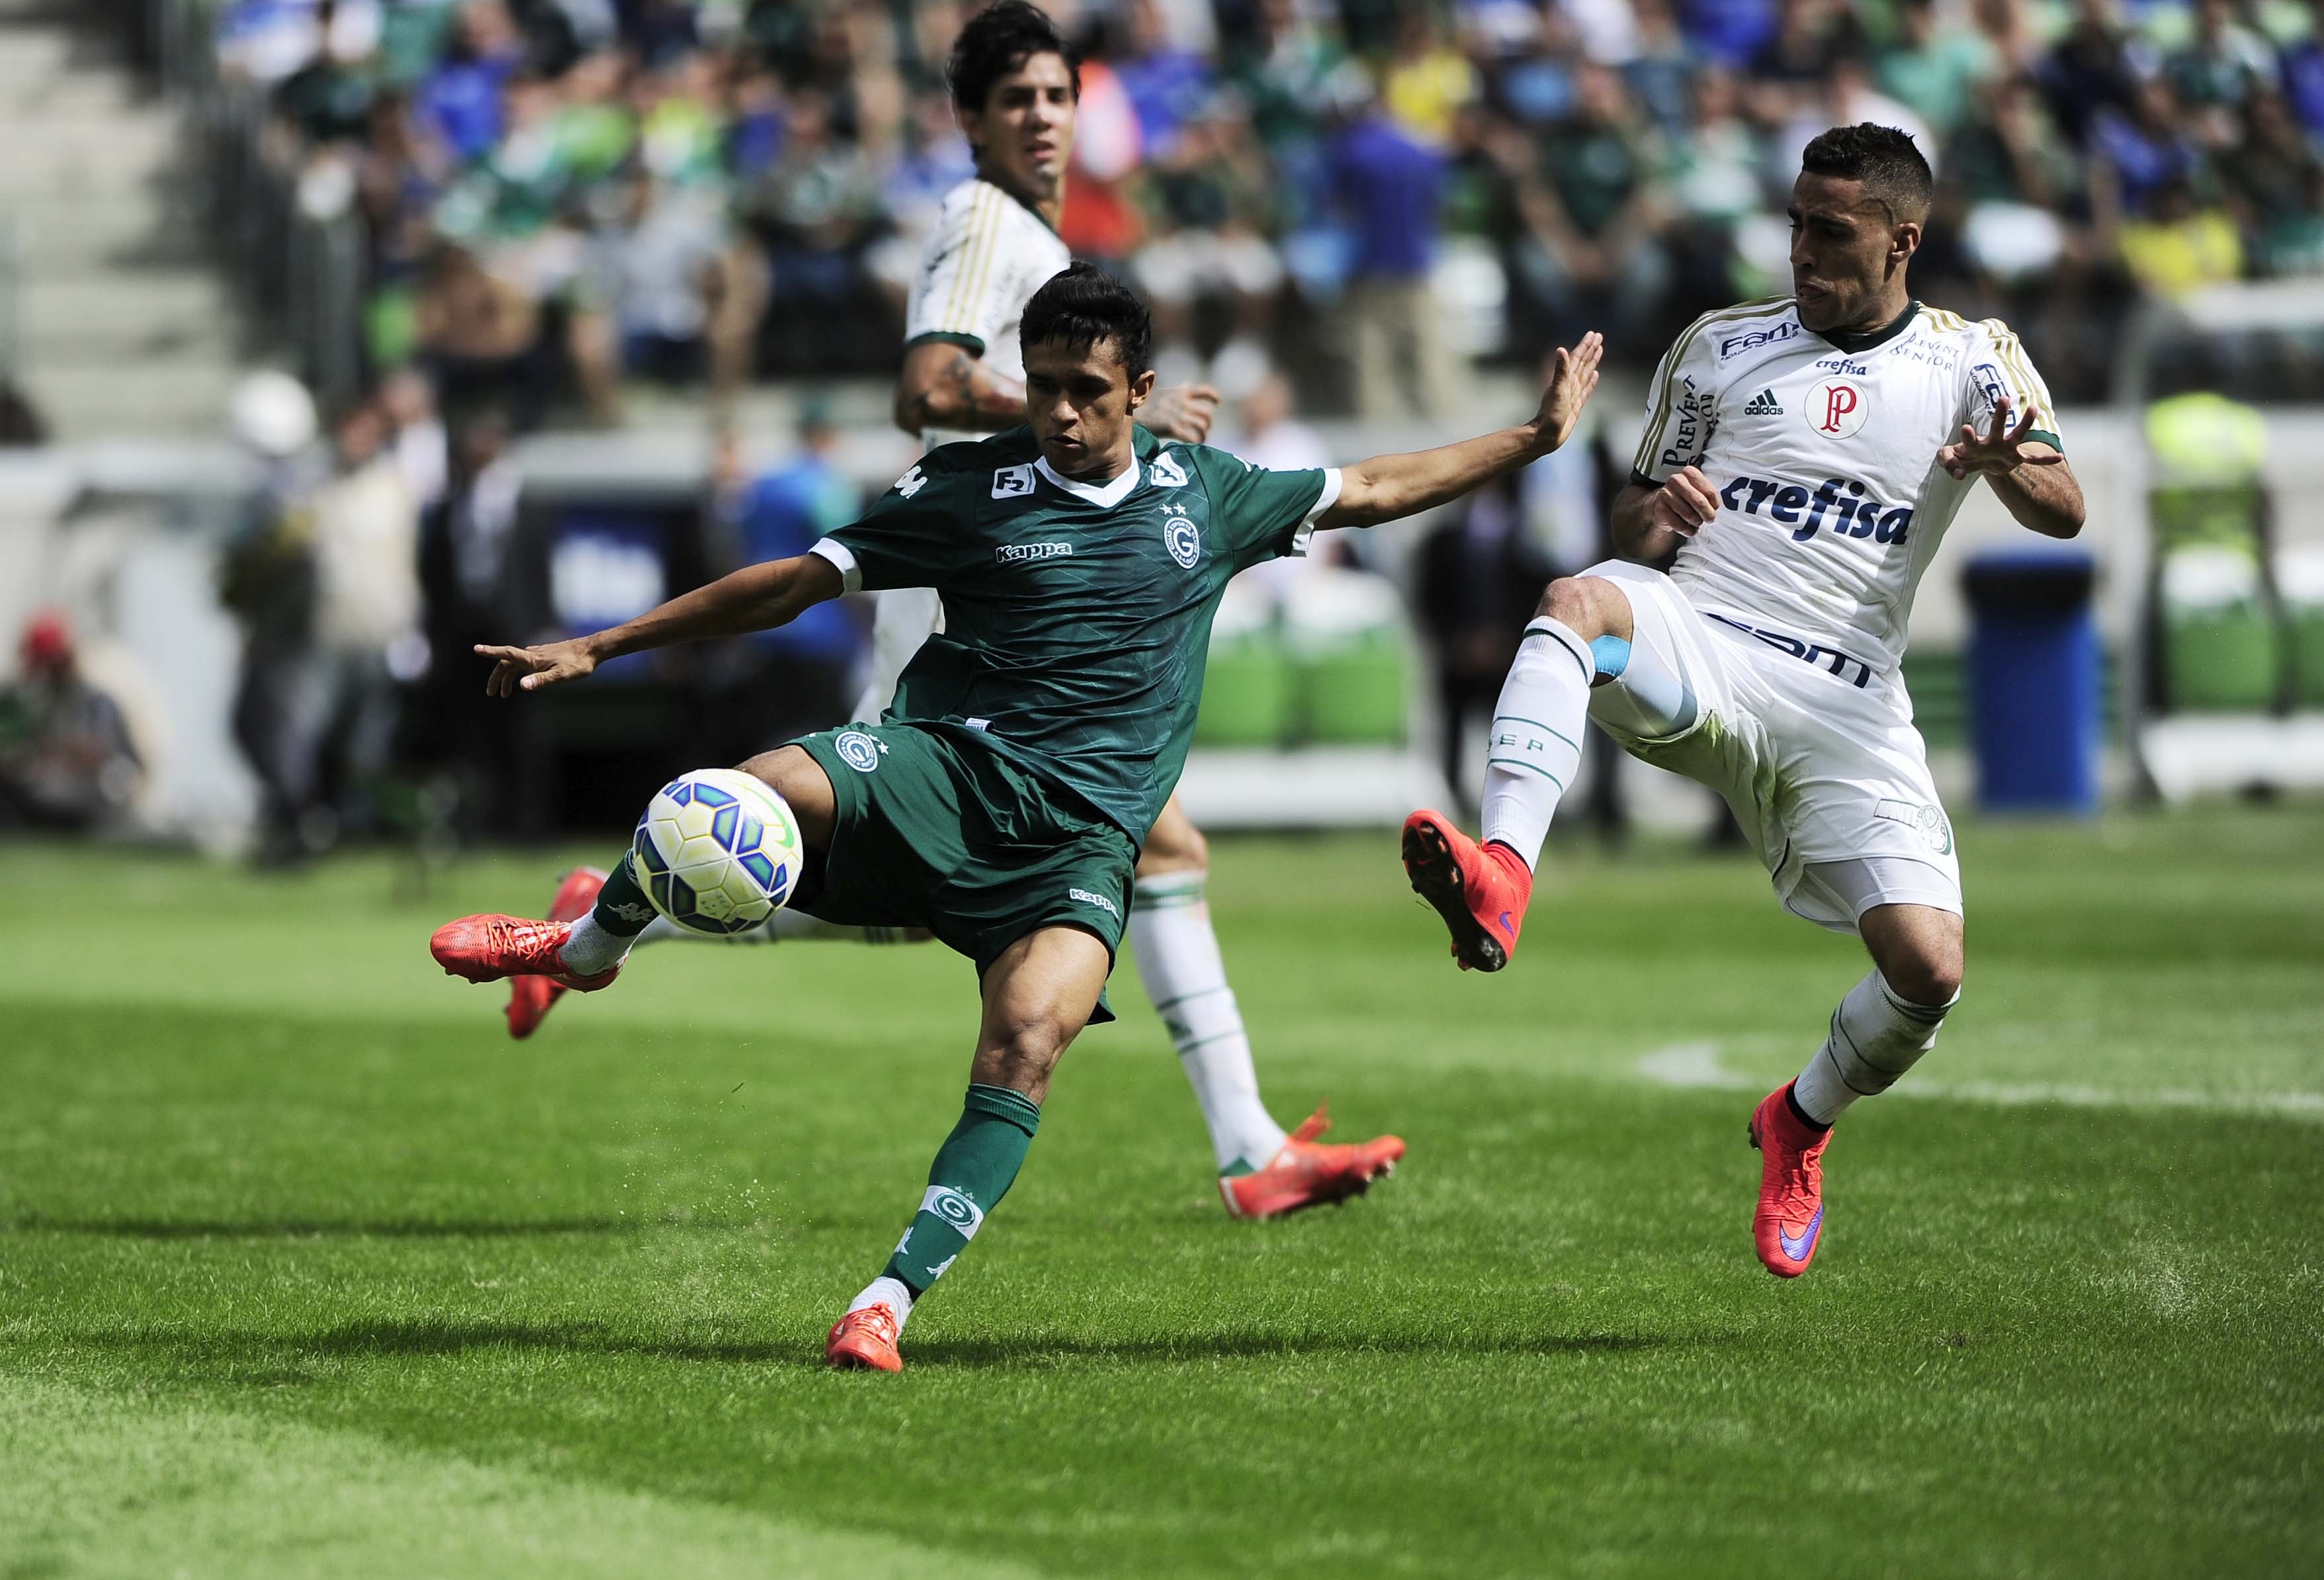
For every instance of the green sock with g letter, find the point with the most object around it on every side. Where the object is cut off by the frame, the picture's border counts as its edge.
(972, 1171)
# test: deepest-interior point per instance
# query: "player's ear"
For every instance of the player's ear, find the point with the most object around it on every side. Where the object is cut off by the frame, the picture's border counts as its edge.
(1904, 241)
(1141, 389)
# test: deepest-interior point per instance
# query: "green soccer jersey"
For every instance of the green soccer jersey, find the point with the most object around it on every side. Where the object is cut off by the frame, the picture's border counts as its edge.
(1077, 619)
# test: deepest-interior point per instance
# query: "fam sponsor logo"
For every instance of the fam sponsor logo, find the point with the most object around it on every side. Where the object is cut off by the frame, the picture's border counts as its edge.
(1018, 553)
(1928, 820)
(1181, 536)
(1773, 334)
(859, 751)
(1843, 503)
(1084, 897)
(1987, 377)
(1847, 666)
(1012, 482)
(1835, 408)
(1167, 473)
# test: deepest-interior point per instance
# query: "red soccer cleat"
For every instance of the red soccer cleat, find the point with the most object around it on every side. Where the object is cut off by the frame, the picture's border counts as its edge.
(530, 998)
(1480, 891)
(486, 949)
(865, 1340)
(1789, 1224)
(1307, 1174)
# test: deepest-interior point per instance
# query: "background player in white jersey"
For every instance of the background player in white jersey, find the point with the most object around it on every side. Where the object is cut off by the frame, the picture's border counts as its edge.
(1015, 89)
(1803, 455)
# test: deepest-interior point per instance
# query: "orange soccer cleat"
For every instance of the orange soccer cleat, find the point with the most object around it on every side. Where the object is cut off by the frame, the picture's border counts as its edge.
(1480, 890)
(1307, 1173)
(486, 949)
(530, 998)
(1789, 1224)
(865, 1340)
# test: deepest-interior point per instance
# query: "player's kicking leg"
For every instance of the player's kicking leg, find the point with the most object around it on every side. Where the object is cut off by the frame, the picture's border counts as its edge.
(1481, 887)
(1263, 1173)
(1037, 996)
(530, 998)
(1880, 1030)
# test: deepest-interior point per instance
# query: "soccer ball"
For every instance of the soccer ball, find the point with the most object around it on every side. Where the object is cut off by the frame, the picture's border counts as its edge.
(717, 851)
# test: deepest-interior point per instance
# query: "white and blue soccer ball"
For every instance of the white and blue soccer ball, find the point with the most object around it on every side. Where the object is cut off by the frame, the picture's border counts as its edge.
(717, 851)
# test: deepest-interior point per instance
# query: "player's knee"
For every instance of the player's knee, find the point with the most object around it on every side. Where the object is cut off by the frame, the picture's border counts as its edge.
(1175, 845)
(1590, 607)
(1025, 1047)
(1927, 974)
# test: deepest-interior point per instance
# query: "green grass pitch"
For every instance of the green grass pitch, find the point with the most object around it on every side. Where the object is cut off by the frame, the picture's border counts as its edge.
(305, 1269)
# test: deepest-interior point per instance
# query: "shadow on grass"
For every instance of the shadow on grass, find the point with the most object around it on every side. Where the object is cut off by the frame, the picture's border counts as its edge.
(361, 1228)
(239, 1355)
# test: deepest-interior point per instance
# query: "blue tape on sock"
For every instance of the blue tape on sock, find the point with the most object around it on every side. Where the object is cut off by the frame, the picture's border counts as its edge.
(1612, 654)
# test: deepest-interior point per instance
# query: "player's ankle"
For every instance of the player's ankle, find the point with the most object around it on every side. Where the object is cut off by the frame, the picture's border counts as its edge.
(1507, 857)
(1801, 1115)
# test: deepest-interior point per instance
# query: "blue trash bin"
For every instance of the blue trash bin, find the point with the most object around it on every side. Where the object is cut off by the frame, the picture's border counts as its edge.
(2034, 680)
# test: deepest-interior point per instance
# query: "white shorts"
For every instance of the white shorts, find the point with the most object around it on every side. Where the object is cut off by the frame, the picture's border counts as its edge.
(903, 618)
(1813, 749)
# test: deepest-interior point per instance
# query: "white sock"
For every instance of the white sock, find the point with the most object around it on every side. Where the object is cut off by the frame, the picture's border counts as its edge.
(1875, 1037)
(1536, 739)
(886, 1291)
(590, 949)
(781, 927)
(1178, 958)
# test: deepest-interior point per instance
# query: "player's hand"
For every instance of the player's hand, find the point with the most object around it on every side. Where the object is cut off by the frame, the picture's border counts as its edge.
(2002, 450)
(1570, 379)
(1685, 501)
(528, 668)
(1182, 412)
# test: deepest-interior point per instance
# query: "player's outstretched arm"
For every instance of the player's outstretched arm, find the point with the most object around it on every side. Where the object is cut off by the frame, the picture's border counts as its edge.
(943, 386)
(2029, 477)
(1388, 487)
(757, 598)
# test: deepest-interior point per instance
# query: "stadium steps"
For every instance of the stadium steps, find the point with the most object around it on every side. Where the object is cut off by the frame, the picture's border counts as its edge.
(115, 324)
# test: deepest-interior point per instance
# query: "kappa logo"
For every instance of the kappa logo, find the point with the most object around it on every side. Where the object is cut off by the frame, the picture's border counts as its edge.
(1015, 553)
(1084, 897)
(1181, 537)
(628, 912)
(1928, 820)
(1011, 482)
(955, 1209)
(1835, 408)
(1765, 404)
(911, 482)
(1168, 472)
(859, 751)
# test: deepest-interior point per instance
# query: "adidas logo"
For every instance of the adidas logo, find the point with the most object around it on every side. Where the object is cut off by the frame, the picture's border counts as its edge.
(1764, 404)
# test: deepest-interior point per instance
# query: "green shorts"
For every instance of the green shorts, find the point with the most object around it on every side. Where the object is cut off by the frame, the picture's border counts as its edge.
(936, 829)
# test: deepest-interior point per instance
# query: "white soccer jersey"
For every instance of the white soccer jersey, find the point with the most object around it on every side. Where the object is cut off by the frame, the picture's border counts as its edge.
(1823, 453)
(985, 256)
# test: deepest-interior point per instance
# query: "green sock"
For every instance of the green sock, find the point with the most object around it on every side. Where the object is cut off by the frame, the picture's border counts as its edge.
(622, 908)
(972, 1171)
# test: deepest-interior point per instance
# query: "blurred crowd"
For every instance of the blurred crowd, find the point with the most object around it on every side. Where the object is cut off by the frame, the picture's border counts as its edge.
(563, 195)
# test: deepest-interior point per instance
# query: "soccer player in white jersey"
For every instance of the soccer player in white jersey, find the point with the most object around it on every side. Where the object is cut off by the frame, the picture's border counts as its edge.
(1016, 87)
(1803, 456)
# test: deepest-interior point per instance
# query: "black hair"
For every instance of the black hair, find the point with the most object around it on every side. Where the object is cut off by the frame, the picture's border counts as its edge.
(1084, 305)
(999, 40)
(1883, 158)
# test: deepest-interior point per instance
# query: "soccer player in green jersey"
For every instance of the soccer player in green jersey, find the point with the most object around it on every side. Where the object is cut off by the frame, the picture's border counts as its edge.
(1032, 742)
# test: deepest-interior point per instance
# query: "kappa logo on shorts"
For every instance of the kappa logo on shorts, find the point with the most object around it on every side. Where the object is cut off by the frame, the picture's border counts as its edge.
(859, 751)
(1010, 482)
(1099, 901)
(1166, 471)
(911, 482)
(1928, 820)
(1181, 536)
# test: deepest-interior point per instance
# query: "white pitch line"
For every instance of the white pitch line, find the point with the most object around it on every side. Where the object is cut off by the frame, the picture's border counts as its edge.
(1695, 1065)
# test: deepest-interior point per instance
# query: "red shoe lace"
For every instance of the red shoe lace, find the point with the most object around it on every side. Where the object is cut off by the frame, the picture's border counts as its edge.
(1314, 1124)
(525, 943)
(1802, 1185)
(878, 1321)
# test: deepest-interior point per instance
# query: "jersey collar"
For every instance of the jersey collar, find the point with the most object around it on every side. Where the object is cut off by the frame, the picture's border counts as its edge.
(1104, 498)
(1855, 344)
